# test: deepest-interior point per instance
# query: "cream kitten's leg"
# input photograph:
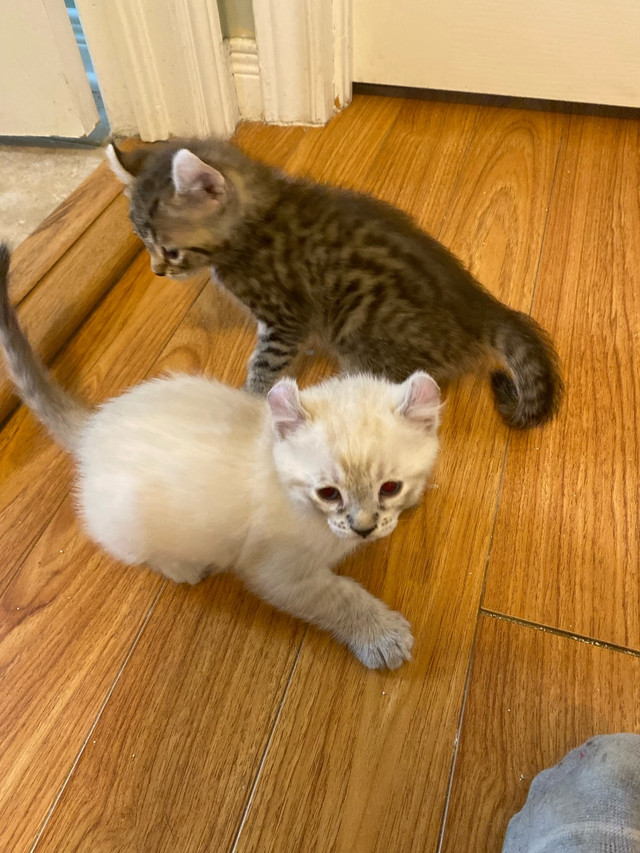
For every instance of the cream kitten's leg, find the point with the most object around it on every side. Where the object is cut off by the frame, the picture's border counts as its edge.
(377, 636)
(177, 571)
(275, 350)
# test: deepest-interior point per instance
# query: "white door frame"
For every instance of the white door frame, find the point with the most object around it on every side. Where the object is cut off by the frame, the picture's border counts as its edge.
(304, 51)
(164, 69)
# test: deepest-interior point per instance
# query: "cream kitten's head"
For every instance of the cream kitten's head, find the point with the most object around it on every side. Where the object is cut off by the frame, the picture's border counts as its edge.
(357, 449)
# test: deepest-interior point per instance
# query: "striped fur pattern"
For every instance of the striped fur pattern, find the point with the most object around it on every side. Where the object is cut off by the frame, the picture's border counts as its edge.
(312, 260)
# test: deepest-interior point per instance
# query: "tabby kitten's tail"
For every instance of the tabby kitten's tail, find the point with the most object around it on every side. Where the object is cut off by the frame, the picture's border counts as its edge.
(58, 410)
(532, 394)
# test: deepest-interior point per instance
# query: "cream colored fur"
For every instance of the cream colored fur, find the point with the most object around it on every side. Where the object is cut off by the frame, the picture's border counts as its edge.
(192, 477)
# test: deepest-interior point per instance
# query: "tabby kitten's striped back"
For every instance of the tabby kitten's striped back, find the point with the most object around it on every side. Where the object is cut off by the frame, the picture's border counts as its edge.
(311, 259)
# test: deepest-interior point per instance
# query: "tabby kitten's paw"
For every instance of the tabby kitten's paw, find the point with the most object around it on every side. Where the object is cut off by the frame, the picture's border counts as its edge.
(389, 644)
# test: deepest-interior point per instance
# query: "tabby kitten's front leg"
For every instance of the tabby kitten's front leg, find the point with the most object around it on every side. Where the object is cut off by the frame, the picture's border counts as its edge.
(275, 350)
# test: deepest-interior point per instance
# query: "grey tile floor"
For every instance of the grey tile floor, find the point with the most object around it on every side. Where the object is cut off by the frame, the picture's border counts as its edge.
(33, 182)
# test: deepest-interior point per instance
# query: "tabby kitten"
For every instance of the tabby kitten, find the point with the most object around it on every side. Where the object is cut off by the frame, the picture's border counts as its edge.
(314, 260)
(191, 476)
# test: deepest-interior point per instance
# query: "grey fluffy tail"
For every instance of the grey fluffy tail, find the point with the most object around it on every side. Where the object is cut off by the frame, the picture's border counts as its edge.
(58, 410)
(532, 393)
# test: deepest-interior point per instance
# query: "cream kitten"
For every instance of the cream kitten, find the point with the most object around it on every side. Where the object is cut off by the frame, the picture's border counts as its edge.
(194, 477)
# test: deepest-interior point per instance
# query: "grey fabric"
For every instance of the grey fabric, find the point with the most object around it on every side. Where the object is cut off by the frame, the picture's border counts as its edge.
(588, 803)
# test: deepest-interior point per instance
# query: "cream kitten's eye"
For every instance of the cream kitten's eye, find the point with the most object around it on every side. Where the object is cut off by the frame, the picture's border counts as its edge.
(329, 493)
(391, 487)
(170, 254)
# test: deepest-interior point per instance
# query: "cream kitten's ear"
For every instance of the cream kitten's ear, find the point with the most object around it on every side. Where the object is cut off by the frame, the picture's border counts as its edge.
(191, 175)
(287, 413)
(420, 400)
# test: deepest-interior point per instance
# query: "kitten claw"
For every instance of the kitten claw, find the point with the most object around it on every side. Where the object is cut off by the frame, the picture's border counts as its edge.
(390, 647)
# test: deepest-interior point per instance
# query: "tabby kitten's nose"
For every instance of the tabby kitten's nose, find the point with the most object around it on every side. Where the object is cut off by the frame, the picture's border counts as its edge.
(364, 531)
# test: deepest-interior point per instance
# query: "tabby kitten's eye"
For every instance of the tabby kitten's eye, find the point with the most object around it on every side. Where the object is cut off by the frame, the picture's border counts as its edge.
(391, 487)
(329, 493)
(171, 254)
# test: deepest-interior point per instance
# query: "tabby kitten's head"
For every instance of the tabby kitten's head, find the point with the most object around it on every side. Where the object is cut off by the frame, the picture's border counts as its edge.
(181, 206)
(359, 450)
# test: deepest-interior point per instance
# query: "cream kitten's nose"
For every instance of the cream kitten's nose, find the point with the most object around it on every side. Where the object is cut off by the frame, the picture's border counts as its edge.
(362, 522)
(364, 532)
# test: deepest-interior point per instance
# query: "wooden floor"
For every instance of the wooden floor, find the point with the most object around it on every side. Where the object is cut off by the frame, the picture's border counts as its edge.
(136, 715)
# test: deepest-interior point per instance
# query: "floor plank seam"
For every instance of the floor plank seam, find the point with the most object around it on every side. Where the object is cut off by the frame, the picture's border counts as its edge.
(10, 580)
(254, 787)
(50, 363)
(456, 742)
(96, 307)
(465, 691)
(494, 523)
(454, 188)
(13, 412)
(67, 779)
(559, 632)
(546, 218)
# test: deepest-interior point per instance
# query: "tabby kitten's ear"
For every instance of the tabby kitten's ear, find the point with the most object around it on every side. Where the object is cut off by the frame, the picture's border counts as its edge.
(287, 413)
(191, 176)
(126, 165)
(420, 400)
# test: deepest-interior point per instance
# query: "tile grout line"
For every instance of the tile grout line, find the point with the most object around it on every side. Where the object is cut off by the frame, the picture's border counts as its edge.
(559, 632)
(247, 808)
(132, 648)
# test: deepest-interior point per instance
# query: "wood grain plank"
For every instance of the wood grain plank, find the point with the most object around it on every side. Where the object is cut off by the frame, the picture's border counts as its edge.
(53, 311)
(214, 648)
(34, 472)
(153, 768)
(70, 615)
(566, 540)
(171, 761)
(271, 144)
(426, 147)
(66, 624)
(343, 152)
(59, 231)
(533, 696)
(360, 760)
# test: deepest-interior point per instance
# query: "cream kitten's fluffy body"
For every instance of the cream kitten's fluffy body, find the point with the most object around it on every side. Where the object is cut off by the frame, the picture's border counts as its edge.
(193, 477)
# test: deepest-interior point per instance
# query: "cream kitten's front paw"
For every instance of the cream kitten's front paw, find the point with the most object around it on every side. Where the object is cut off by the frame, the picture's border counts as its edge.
(389, 644)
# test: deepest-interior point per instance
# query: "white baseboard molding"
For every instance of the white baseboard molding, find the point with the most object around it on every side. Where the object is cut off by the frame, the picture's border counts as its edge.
(245, 67)
(304, 53)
